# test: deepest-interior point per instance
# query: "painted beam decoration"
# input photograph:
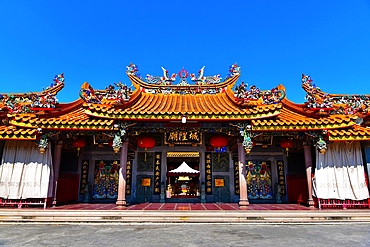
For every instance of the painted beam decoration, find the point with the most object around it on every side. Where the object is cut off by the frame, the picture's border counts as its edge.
(326, 104)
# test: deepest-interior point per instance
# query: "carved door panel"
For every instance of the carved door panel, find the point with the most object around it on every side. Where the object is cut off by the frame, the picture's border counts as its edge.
(259, 181)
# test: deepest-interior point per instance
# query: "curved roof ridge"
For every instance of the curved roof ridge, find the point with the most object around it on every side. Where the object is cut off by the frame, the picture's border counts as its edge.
(165, 84)
(191, 88)
(325, 103)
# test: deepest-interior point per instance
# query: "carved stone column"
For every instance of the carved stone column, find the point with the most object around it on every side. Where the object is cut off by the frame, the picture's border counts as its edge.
(308, 164)
(243, 201)
(121, 200)
(56, 166)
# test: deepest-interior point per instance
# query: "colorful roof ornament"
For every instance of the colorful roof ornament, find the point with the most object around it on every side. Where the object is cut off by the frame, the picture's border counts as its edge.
(117, 93)
(254, 95)
(166, 84)
(87, 93)
(205, 80)
(161, 80)
(32, 102)
(233, 70)
(133, 69)
(325, 104)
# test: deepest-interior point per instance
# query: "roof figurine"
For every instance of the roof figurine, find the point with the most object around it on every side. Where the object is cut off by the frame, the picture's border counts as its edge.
(19, 103)
(325, 104)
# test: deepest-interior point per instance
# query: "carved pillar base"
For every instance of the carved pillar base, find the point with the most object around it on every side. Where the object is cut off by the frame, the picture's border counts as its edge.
(121, 203)
(311, 203)
(243, 203)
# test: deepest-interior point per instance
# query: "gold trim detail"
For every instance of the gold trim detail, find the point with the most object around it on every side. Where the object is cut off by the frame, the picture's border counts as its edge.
(182, 154)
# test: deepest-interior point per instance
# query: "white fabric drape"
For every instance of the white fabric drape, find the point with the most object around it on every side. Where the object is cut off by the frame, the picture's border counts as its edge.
(25, 172)
(340, 172)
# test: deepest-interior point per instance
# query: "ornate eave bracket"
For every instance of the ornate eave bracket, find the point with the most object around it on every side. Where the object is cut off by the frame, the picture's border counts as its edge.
(245, 130)
(43, 141)
(120, 132)
(42, 144)
(320, 140)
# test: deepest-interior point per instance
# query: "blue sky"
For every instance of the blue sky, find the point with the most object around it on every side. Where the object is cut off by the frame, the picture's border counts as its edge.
(274, 42)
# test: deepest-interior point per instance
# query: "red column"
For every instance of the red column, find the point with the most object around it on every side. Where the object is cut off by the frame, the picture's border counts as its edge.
(121, 200)
(56, 165)
(308, 164)
(243, 201)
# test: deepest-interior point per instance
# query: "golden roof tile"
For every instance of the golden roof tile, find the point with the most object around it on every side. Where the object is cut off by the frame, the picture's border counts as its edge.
(356, 133)
(11, 132)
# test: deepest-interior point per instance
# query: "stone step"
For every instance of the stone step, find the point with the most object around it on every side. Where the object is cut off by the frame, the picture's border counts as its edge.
(137, 216)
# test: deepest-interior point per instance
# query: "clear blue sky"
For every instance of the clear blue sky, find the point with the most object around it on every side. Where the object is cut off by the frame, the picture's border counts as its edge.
(274, 42)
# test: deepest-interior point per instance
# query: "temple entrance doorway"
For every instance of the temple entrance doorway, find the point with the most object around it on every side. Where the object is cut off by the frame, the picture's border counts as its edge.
(183, 177)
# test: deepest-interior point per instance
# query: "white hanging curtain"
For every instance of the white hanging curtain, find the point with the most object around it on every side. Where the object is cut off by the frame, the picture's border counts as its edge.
(25, 172)
(340, 172)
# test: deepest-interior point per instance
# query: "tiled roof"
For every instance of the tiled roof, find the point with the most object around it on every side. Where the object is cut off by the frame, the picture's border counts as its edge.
(11, 132)
(31, 101)
(174, 106)
(149, 102)
(355, 133)
(292, 118)
(72, 117)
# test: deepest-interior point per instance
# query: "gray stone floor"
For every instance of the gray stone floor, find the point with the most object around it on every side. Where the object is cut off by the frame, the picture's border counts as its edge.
(185, 235)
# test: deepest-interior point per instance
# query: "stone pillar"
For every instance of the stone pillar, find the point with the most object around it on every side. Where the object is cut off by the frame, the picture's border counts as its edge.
(121, 200)
(308, 164)
(56, 166)
(243, 201)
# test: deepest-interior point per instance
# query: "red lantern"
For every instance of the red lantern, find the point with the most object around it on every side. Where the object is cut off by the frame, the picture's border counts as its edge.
(79, 143)
(146, 142)
(219, 141)
(287, 144)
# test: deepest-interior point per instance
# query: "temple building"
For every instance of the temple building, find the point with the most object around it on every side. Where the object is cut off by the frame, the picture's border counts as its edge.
(184, 138)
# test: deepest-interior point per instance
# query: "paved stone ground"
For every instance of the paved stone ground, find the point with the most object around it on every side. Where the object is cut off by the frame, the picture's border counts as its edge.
(185, 235)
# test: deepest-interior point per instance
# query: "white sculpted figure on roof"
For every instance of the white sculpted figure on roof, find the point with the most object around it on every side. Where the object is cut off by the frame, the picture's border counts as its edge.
(165, 83)
(161, 80)
(205, 80)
